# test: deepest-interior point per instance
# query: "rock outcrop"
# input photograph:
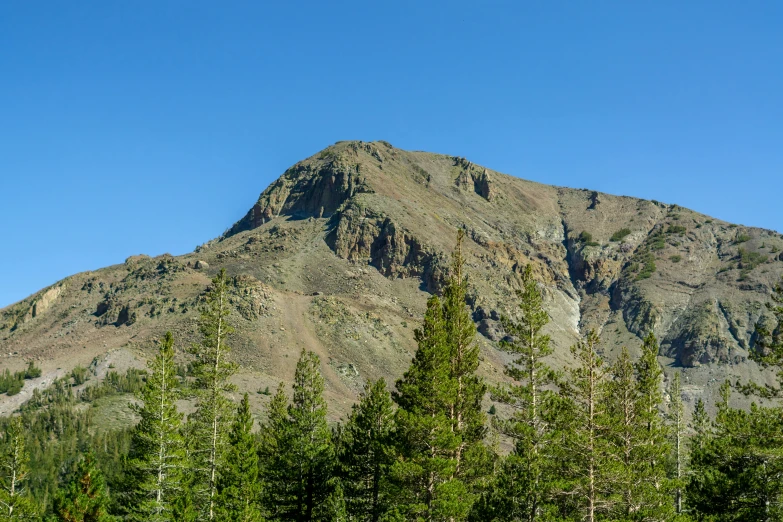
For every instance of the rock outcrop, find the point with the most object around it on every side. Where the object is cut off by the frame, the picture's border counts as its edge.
(43, 302)
(472, 177)
(362, 236)
(306, 190)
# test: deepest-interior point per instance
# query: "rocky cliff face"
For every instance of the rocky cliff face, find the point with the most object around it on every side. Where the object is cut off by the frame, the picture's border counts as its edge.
(339, 254)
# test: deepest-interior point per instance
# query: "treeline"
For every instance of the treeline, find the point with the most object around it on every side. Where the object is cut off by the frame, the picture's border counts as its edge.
(596, 442)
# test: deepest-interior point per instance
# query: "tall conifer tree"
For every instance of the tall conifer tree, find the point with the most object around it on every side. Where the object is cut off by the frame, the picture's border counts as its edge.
(426, 441)
(625, 436)
(586, 453)
(523, 487)
(655, 446)
(367, 453)
(639, 448)
(440, 421)
(240, 490)
(15, 503)
(676, 418)
(467, 417)
(157, 453)
(277, 495)
(184, 504)
(214, 412)
(702, 428)
(299, 446)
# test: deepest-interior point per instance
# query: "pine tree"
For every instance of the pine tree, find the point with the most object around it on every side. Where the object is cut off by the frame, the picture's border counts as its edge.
(700, 423)
(443, 460)
(655, 446)
(426, 441)
(335, 508)
(214, 412)
(467, 417)
(638, 448)
(523, 496)
(277, 496)
(586, 486)
(15, 503)
(625, 436)
(737, 469)
(157, 454)
(367, 453)
(240, 490)
(298, 445)
(85, 498)
(676, 418)
(184, 503)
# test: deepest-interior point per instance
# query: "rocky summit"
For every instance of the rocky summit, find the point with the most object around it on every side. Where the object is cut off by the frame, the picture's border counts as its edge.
(340, 254)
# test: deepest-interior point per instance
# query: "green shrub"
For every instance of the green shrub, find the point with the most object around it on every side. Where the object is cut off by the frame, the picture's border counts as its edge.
(676, 229)
(492, 410)
(657, 241)
(14, 388)
(32, 371)
(741, 238)
(750, 260)
(675, 258)
(11, 383)
(587, 239)
(648, 267)
(79, 375)
(620, 234)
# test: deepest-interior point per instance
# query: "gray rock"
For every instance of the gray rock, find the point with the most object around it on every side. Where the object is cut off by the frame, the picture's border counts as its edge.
(490, 329)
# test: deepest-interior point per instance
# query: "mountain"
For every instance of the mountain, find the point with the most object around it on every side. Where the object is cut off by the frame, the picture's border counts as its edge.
(340, 253)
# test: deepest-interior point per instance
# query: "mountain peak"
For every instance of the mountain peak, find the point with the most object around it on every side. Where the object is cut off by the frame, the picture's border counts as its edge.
(321, 184)
(340, 252)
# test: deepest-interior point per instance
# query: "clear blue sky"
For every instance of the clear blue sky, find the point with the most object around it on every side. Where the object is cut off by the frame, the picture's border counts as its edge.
(151, 126)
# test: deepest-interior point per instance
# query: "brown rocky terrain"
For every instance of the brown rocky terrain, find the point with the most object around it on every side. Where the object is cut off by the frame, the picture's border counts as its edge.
(339, 254)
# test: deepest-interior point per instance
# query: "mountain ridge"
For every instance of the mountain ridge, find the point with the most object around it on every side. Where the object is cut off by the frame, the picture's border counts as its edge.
(344, 247)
